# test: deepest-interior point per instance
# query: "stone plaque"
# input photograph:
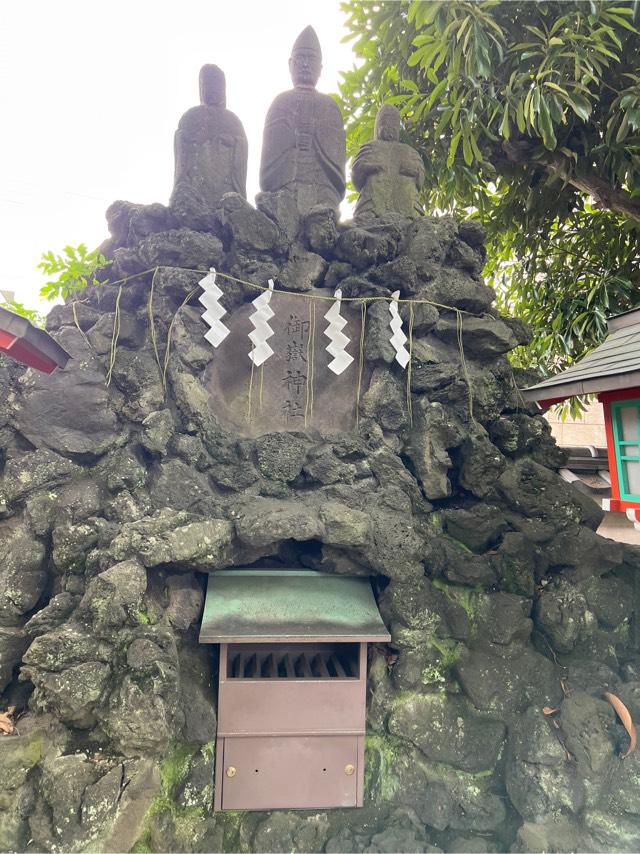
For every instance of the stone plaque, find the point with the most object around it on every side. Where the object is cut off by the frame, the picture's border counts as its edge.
(293, 390)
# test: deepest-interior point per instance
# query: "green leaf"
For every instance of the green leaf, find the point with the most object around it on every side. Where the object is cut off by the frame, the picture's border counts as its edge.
(504, 124)
(436, 93)
(633, 117)
(622, 23)
(551, 85)
(409, 85)
(463, 27)
(529, 114)
(580, 106)
(556, 112)
(623, 129)
(416, 57)
(605, 51)
(536, 32)
(74, 270)
(467, 151)
(445, 119)
(546, 126)
(453, 147)
(476, 150)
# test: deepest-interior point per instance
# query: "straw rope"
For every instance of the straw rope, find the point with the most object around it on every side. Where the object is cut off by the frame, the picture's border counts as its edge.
(409, 398)
(169, 332)
(362, 300)
(152, 324)
(77, 323)
(114, 337)
(249, 400)
(465, 369)
(363, 321)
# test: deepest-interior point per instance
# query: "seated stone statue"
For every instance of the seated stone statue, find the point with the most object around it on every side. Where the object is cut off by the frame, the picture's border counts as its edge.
(304, 149)
(388, 173)
(210, 153)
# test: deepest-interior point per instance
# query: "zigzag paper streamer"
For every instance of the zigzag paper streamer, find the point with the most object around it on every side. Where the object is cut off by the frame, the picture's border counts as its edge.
(260, 319)
(214, 311)
(339, 341)
(398, 339)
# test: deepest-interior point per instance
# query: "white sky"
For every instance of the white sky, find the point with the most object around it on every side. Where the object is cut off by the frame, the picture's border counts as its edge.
(91, 94)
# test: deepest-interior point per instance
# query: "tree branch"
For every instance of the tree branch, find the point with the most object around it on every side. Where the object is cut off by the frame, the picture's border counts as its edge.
(604, 195)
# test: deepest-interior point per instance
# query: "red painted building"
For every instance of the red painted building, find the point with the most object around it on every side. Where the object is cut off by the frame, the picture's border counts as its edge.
(612, 372)
(23, 342)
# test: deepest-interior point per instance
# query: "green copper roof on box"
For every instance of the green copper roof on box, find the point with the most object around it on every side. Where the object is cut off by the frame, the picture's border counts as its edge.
(289, 605)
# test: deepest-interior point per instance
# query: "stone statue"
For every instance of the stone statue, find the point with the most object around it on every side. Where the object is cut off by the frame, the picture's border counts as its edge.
(388, 173)
(304, 148)
(210, 152)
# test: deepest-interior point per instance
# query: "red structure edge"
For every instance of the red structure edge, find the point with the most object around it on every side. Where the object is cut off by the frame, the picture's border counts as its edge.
(21, 351)
(606, 398)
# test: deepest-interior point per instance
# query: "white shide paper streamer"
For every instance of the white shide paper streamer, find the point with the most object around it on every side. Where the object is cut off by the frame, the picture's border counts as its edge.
(260, 319)
(398, 339)
(341, 359)
(210, 299)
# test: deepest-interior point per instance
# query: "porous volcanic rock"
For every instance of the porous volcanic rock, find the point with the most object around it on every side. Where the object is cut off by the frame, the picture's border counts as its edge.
(121, 490)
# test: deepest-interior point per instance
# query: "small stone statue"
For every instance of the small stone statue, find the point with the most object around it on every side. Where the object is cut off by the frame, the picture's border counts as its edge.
(210, 152)
(388, 173)
(304, 148)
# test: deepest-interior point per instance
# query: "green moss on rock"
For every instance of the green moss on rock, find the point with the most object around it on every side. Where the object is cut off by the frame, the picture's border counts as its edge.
(173, 770)
(384, 759)
(465, 597)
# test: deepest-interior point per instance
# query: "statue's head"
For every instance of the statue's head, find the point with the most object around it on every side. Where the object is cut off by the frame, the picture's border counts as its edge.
(212, 86)
(387, 124)
(305, 63)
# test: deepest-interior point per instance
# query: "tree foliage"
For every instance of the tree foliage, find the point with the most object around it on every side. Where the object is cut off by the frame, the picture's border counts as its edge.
(527, 116)
(73, 270)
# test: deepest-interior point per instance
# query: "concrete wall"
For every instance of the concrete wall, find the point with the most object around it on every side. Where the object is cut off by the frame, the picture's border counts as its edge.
(587, 431)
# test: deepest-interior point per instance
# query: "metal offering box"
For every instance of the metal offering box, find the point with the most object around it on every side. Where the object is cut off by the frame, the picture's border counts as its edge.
(292, 690)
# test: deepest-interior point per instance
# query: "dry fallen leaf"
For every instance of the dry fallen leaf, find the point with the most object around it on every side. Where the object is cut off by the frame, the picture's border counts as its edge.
(7, 726)
(623, 713)
(547, 710)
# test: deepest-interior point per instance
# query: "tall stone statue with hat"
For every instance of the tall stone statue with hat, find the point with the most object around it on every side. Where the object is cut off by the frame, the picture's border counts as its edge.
(210, 153)
(389, 174)
(304, 148)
